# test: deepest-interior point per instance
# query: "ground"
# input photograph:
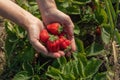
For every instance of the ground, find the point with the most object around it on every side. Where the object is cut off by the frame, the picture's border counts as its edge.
(116, 66)
(2, 42)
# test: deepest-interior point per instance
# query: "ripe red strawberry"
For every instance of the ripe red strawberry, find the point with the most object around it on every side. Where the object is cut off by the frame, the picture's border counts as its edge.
(61, 39)
(98, 31)
(44, 35)
(53, 44)
(54, 28)
(64, 43)
(62, 34)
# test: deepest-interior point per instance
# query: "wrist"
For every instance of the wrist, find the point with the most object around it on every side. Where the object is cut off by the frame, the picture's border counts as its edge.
(46, 5)
(29, 22)
(16, 14)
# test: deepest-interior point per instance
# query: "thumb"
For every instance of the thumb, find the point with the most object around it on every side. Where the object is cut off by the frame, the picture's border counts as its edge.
(69, 28)
(39, 47)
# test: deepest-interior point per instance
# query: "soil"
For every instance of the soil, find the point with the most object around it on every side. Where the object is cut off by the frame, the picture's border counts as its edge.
(2, 43)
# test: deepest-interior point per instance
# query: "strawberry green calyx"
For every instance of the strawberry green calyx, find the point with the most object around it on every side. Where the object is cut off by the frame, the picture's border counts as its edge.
(60, 29)
(53, 37)
(67, 49)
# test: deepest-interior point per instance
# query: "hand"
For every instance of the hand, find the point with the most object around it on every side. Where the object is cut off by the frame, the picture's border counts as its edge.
(28, 22)
(33, 33)
(54, 15)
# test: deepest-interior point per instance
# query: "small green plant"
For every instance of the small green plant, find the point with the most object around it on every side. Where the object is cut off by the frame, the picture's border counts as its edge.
(79, 68)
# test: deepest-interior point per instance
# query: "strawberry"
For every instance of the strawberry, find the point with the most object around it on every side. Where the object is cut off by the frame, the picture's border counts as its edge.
(64, 43)
(61, 39)
(54, 28)
(98, 31)
(53, 44)
(44, 35)
(62, 34)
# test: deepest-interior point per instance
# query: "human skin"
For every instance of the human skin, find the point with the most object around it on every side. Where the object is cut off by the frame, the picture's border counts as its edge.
(31, 24)
(50, 14)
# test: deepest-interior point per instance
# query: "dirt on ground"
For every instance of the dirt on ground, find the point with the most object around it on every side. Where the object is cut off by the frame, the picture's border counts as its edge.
(2, 43)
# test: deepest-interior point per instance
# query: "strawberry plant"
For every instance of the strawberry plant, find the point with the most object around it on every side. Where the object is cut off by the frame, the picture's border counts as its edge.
(81, 70)
(96, 37)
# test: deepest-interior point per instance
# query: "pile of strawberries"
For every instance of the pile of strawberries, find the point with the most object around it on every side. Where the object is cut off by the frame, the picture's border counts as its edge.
(54, 38)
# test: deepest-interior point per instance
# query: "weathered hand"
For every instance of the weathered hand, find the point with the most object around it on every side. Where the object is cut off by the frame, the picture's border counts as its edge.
(33, 33)
(54, 15)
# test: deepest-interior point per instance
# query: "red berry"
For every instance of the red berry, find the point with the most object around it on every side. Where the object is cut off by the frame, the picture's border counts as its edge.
(54, 28)
(44, 35)
(98, 31)
(64, 43)
(61, 39)
(62, 34)
(53, 46)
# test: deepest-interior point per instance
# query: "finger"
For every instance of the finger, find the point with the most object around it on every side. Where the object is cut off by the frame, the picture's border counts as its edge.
(73, 44)
(39, 47)
(54, 55)
(69, 26)
(61, 53)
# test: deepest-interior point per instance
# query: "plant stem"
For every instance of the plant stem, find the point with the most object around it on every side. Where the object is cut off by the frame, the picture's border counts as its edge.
(110, 18)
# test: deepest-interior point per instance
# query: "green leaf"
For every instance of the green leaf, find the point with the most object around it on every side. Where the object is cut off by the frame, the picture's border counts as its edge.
(95, 49)
(73, 10)
(27, 54)
(9, 27)
(61, 77)
(100, 76)
(23, 75)
(101, 15)
(106, 27)
(105, 35)
(62, 61)
(10, 46)
(56, 64)
(112, 11)
(65, 4)
(28, 67)
(19, 31)
(83, 59)
(76, 30)
(35, 77)
(68, 77)
(75, 69)
(82, 0)
(68, 68)
(53, 72)
(79, 2)
(110, 16)
(117, 35)
(81, 68)
(80, 46)
(92, 67)
(81, 62)
(68, 71)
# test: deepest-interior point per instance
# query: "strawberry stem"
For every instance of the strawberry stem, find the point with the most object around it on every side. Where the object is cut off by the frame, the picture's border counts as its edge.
(60, 29)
